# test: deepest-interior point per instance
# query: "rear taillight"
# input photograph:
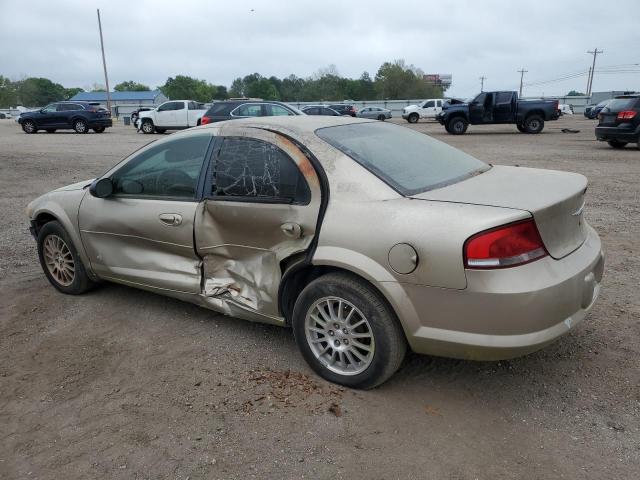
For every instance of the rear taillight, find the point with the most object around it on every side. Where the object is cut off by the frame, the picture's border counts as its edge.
(204, 120)
(506, 246)
(626, 115)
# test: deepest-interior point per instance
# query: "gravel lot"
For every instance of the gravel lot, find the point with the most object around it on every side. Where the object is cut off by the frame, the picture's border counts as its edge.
(124, 384)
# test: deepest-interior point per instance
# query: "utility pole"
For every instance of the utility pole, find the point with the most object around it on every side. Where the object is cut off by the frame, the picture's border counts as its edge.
(104, 63)
(588, 81)
(522, 72)
(595, 53)
(482, 79)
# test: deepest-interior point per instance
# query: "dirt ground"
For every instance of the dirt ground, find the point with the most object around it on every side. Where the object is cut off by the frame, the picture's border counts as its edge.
(124, 384)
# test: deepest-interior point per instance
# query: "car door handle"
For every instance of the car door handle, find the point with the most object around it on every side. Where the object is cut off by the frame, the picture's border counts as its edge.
(170, 218)
(292, 230)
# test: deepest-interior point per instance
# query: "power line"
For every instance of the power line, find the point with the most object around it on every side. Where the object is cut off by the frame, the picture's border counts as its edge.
(522, 72)
(482, 79)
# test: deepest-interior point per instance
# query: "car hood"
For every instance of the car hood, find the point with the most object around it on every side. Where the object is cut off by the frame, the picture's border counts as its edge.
(410, 108)
(145, 114)
(75, 186)
(555, 199)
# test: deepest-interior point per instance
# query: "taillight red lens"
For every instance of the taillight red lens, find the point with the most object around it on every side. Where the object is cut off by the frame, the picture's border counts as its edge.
(626, 115)
(204, 120)
(506, 246)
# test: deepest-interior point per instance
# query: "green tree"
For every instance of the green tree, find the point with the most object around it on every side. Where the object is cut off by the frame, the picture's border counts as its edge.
(8, 93)
(98, 88)
(184, 87)
(36, 92)
(131, 86)
(573, 93)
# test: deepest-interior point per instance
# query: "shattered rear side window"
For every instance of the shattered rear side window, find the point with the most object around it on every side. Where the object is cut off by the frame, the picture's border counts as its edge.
(252, 168)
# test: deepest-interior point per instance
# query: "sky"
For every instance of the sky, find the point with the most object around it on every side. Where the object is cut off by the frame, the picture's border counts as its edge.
(149, 41)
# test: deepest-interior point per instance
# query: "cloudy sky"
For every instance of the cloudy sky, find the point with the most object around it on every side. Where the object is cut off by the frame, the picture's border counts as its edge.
(148, 41)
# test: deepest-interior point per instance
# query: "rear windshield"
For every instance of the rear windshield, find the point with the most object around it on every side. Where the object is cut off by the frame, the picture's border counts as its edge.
(620, 104)
(221, 108)
(408, 161)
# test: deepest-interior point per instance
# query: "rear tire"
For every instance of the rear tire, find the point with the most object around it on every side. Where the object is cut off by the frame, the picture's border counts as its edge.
(365, 323)
(60, 260)
(382, 118)
(99, 129)
(29, 126)
(80, 126)
(616, 144)
(413, 118)
(147, 127)
(520, 128)
(457, 126)
(533, 124)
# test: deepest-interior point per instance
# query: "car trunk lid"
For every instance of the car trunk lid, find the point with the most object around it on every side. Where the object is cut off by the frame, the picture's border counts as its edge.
(555, 199)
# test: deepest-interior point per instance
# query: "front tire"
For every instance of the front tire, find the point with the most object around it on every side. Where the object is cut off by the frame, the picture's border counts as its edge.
(382, 118)
(147, 127)
(520, 128)
(80, 126)
(60, 260)
(457, 126)
(413, 118)
(29, 126)
(347, 332)
(533, 124)
(616, 144)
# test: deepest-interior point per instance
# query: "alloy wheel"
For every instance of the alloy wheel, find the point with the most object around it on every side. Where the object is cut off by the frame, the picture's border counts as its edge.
(339, 336)
(59, 260)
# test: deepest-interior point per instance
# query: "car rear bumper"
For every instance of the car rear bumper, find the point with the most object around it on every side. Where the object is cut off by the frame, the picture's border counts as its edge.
(100, 122)
(617, 133)
(502, 313)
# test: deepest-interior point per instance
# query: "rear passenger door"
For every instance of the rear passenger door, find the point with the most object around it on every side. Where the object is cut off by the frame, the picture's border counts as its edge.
(259, 209)
(503, 109)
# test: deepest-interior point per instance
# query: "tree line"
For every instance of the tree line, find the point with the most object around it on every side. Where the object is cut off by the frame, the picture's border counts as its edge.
(393, 80)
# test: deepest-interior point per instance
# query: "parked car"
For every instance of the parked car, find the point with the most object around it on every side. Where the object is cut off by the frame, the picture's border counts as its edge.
(498, 107)
(4, 115)
(344, 109)
(135, 114)
(319, 110)
(432, 250)
(78, 116)
(171, 115)
(234, 109)
(427, 109)
(565, 109)
(596, 109)
(619, 121)
(374, 112)
(587, 111)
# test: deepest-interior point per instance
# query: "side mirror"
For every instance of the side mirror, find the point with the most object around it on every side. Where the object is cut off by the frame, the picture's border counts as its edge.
(101, 188)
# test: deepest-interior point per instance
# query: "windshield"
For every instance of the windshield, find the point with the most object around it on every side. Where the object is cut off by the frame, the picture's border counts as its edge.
(408, 161)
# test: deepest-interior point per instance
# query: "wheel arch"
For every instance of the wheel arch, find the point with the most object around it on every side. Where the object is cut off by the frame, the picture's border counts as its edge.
(535, 112)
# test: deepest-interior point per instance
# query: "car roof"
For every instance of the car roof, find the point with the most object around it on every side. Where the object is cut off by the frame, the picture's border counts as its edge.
(299, 124)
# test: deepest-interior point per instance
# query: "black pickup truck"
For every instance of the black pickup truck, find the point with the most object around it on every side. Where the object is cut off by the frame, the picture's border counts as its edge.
(498, 107)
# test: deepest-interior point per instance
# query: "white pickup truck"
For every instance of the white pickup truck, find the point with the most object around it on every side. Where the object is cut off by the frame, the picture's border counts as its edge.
(171, 115)
(427, 109)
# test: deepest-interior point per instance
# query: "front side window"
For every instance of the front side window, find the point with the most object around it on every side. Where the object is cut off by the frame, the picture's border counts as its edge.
(408, 161)
(167, 107)
(169, 169)
(430, 104)
(50, 108)
(254, 170)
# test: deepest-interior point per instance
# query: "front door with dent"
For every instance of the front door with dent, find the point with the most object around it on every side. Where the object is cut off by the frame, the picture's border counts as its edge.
(143, 233)
(262, 206)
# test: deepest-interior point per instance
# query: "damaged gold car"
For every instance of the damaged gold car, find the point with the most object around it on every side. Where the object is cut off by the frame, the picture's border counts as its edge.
(366, 238)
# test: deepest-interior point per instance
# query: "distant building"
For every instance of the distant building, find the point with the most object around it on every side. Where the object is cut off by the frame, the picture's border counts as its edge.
(139, 99)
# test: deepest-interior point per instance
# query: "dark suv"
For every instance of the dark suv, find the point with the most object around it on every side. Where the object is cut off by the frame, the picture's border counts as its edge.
(620, 121)
(78, 116)
(231, 109)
